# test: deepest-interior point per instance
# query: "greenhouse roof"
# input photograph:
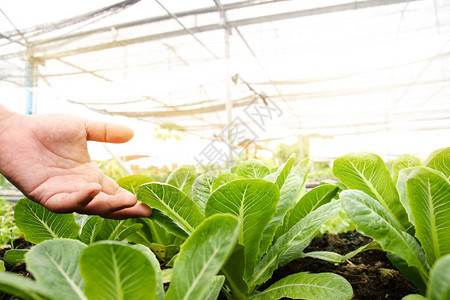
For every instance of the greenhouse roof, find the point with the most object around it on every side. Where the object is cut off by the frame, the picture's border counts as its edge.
(287, 68)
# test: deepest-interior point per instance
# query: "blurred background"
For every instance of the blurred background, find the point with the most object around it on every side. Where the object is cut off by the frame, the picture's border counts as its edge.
(215, 82)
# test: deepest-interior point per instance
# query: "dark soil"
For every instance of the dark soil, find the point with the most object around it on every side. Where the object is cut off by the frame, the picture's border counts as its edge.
(370, 273)
(19, 268)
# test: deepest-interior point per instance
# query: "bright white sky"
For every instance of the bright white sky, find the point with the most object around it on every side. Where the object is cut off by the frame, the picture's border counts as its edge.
(315, 62)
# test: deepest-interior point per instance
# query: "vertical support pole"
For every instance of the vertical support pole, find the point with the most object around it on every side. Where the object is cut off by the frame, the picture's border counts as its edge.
(35, 85)
(228, 102)
(30, 85)
(29, 89)
(436, 15)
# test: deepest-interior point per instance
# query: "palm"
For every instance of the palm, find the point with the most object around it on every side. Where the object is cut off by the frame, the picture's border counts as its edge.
(48, 160)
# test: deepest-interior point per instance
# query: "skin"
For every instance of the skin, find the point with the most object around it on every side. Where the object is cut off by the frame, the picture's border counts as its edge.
(46, 158)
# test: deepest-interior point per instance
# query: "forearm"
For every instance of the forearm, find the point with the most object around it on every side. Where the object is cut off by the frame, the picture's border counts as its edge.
(8, 120)
(4, 111)
(5, 116)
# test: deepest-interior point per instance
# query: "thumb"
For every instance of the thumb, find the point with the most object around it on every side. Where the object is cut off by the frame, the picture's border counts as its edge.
(107, 132)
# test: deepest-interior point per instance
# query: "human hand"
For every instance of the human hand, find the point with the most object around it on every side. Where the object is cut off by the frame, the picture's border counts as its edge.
(46, 157)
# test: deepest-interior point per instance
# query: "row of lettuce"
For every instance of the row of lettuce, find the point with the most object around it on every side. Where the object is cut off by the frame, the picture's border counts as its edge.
(229, 234)
(8, 229)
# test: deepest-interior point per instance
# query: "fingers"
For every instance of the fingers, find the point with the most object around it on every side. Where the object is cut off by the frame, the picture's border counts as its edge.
(107, 132)
(72, 202)
(90, 200)
(120, 206)
(104, 204)
(140, 210)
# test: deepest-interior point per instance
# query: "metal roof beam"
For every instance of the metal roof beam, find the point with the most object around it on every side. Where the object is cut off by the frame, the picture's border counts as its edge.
(212, 27)
(115, 8)
(194, 12)
(187, 30)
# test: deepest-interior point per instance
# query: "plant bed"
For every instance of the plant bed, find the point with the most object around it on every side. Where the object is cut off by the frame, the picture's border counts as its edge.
(370, 273)
(252, 234)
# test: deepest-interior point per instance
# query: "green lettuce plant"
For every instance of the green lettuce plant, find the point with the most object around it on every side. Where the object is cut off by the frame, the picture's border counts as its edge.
(70, 269)
(277, 222)
(439, 283)
(38, 224)
(409, 218)
(159, 233)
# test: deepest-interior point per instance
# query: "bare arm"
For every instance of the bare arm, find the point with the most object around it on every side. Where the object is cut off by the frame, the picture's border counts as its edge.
(46, 157)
